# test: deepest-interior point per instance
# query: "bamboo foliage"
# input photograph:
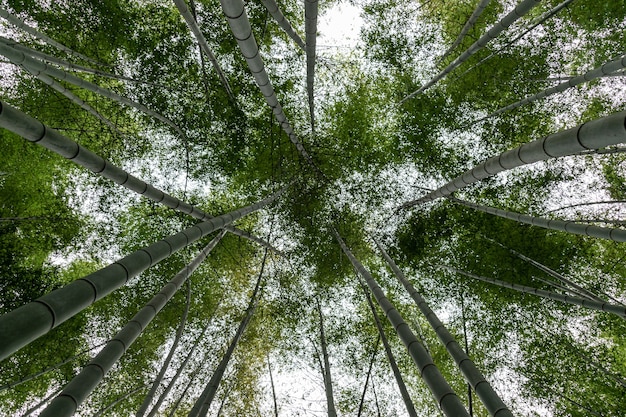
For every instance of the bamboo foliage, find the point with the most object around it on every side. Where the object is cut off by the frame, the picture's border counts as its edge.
(584, 302)
(81, 386)
(445, 396)
(242, 31)
(609, 233)
(520, 10)
(282, 21)
(596, 134)
(492, 401)
(204, 45)
(26, 323)
(467, 26)
(310, 19)
(34, 131)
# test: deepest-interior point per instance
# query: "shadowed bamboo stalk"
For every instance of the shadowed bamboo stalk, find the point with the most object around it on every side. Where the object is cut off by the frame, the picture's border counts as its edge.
(609, 233)
(17, 22)
(492, 401)
(445, 396)
(81, 386)
(202, 404)
(595, 134)
(310, 25)
(34, 131)
(204, 45)
(328, 383)
(467, 26)
(520, 10)
(408, 403)
(278, 16)
(590, 304)
(369, 373)
(25, 324)
(603, 70)
(242, 31)
(120, 399)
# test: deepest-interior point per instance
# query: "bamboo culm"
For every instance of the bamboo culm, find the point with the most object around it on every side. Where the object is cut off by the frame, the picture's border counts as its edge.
(520, 10)
(202, 404)
(310, 25)
(282, 21)
(492, 401)
(445, 396)
(328, 383)
(467, 26)
(242, 31)
(34, 131)
(26, 323)
(609, 233)
(120, 399)
(81, 386)
(408, 403)
(595, 134)
(583, 302)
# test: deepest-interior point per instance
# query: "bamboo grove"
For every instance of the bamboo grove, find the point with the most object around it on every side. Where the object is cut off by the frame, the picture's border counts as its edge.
(236, 208)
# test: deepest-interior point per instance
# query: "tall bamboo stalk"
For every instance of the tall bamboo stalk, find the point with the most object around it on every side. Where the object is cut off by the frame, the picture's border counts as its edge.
(81, 386)
(310, 25)
(445, 396)
(492, 401)
(25, 324)
(328, 384)
(595, 134)
(278, 16)
(467, 26)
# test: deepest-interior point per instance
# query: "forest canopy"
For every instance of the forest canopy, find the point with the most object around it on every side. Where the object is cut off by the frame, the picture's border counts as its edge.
(218, 208)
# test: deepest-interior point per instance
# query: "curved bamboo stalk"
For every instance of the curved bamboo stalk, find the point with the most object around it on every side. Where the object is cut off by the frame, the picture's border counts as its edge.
(179, 333)
(609, 233)
(328, 384)
(25, 324)
(202, 404)
(445, 396)
(590, 304)
(603, 70)
(36, 132)
(81, 386)
(240, 26)
(17, 22)
(278, 16)
(204, 45)
(520, 10)
(466, 28)
(310, 19)
(595, 134)
(408, 403)
(545, 16)
(488, 396)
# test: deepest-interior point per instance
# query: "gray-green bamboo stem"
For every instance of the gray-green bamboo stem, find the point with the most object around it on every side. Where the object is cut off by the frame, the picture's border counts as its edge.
(19, 23)
(487, 395)
(201, 407)
(242, 31)
(445, 396)
(589, 203)
(81, 386)
(269, 370)
(179, 333)
(369, 373)
(539, 20)
(204, 45)
(282, 21)
(466, 28)
(595, 134)
(520, 10)
(41, 403)
(605, 69)
(34, 131)
(619, 311)
(310, 28)
(609, 233)
(408, 403)
(25, 324)
(328, 384)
